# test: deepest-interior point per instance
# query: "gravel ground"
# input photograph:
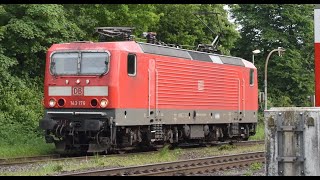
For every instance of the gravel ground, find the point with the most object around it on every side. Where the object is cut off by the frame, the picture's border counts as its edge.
(246, 171)
(19, 167)
(237, 172)
(231, 172)
(190, 154)
(35, 167)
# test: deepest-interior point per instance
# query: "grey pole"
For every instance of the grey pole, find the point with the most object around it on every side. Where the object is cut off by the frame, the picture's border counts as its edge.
(265, 75)
(252, 58)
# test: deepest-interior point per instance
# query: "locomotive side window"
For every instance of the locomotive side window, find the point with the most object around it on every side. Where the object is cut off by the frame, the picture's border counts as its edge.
(251, 77)
(132, 65)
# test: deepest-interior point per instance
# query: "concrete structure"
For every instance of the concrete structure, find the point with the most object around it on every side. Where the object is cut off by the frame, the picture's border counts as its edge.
(292, 136)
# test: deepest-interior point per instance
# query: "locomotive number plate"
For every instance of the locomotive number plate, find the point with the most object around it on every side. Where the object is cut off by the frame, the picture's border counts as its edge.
(78, 103)
(77, 91)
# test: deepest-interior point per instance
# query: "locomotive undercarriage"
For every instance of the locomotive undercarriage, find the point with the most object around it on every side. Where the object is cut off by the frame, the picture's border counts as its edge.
(102, 135)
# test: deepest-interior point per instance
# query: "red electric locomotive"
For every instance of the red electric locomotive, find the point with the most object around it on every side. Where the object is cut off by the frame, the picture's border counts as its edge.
(112, 95)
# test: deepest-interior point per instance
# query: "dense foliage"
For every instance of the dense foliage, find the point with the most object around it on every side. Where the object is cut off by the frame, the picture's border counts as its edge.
(27, 31)
(267, 27)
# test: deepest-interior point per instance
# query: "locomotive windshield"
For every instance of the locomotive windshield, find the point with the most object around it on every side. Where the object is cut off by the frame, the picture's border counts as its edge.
(79, 63)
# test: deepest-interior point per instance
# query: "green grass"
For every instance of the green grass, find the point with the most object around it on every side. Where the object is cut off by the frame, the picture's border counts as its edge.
(164, 155)
(256, 166)
(226, 147)
(31, 147)
(259, 134)
(248, 173)
(253, 168)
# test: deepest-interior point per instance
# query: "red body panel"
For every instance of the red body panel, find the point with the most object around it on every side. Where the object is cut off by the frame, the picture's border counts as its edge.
(172, 83)
(203, 85)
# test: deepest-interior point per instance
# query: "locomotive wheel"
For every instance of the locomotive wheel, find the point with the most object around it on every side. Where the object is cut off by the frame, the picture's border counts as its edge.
(245, 139)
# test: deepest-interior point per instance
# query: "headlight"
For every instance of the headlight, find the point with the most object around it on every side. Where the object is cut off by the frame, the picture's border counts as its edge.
(52, 102)
(104, 103)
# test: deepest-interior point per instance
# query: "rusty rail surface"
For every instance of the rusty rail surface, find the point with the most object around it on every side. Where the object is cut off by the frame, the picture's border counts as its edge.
(28, 159)
(57, 157)
(185, 167)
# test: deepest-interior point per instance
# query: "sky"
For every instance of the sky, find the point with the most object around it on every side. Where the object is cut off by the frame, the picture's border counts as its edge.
(227, 8)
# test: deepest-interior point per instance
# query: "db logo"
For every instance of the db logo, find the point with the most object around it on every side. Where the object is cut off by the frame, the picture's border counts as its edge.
(77, 91)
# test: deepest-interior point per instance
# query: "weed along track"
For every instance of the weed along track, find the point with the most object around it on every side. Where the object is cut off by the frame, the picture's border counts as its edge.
(40, 159)
(56, 157)
(185, 167)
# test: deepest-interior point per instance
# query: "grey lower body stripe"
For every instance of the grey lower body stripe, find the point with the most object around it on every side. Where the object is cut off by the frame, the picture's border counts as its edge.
(132, 117)
(141, 117)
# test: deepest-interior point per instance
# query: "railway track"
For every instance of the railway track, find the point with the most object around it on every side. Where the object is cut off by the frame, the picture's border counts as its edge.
(30, 159)
(185, 167)
(57, 157)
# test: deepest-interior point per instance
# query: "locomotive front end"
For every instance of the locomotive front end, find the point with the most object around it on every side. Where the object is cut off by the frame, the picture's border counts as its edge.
(76, 101)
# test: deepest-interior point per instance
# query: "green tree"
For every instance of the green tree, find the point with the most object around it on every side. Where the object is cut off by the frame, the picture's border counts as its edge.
(87, 17)
(174, 23)
(28, 31)
(269, 26)
(179, 25)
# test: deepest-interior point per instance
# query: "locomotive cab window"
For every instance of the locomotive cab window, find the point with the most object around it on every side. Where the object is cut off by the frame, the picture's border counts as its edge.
(94, 63)
(79, 63)
(132, 65)
(251, 76)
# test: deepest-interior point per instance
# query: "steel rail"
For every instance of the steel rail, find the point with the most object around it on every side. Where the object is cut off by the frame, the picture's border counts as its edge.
(185, 167)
